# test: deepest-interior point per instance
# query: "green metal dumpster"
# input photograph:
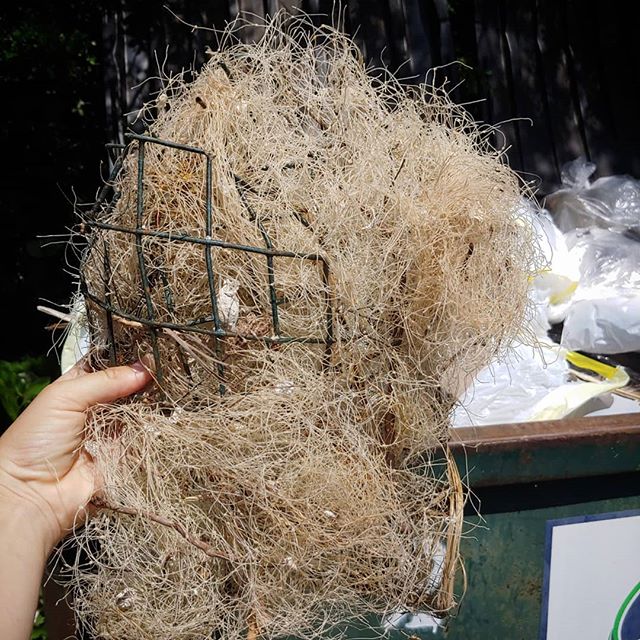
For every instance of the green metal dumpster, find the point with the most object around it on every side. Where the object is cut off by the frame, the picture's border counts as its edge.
(523, 478)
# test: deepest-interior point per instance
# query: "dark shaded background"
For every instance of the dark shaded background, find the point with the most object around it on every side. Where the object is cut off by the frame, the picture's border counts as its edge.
(68, 74)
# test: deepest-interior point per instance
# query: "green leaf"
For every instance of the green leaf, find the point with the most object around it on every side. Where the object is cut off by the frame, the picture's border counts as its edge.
(20, 383)
(39, 631)
(33, 389)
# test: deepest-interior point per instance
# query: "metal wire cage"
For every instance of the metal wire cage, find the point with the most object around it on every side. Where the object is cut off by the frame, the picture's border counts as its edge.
(211, 324)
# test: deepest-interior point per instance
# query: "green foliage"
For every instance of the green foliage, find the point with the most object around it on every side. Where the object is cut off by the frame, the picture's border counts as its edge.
(39, 631)
(29, 33)
(20, 383)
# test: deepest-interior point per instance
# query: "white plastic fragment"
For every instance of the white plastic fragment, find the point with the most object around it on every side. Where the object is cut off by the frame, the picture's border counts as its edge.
(77, 342)
(438, 553)
(229, 303)
(126, 599)
(91, 447)
(284, 387)
(413, 622)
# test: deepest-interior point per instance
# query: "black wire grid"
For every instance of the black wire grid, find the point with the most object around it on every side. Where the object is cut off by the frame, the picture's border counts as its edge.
(109, 196)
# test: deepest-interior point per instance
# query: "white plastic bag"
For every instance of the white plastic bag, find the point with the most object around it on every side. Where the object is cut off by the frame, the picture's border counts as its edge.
(532, 383)
(612, 202)
(556, 282)
(508, 389)
(603, 325)
(604, 316)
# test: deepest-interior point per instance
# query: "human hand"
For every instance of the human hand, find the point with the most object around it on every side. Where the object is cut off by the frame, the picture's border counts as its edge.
(44, 471)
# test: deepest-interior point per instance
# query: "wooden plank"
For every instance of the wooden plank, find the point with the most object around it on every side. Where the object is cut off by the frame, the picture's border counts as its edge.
(291, 6)
(418, 40)
(254, 11)
(583, 54)
(369, 22)
(207, 15)
(618, 46)
(447, 48)
(397, 37)
(600, 48)
(444, 50)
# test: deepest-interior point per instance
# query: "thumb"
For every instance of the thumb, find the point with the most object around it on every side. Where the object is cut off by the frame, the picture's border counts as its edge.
(79, 393)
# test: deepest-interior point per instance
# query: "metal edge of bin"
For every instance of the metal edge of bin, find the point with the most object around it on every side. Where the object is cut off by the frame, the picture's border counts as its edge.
(548, 450)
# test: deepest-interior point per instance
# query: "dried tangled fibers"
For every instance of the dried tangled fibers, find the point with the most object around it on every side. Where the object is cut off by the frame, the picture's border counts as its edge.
(314, 276)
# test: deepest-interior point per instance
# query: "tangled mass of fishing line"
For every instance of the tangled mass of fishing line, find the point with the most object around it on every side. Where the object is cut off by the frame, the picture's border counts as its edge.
(361, 255)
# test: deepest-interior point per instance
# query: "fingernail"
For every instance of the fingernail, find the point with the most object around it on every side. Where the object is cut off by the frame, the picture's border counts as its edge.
(139, 367)
(146, 364)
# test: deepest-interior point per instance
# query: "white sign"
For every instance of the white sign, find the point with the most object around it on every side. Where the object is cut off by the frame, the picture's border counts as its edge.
(592, 578)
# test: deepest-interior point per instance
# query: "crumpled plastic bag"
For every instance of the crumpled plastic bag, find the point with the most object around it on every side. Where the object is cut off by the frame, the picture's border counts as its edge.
(612, 202)
(509, 388)
(604, 314)
(554, 285)
(603, 325)
(531, 383)
(605, 259)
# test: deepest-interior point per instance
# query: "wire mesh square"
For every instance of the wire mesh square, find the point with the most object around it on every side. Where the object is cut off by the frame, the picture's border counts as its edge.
(211, 324)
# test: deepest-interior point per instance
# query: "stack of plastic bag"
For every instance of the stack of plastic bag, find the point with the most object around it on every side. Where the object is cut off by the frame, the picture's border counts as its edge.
(601, 225)
(604, 314)
(531, 380)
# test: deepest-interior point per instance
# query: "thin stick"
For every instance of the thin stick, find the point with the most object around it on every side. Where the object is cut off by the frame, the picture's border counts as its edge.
(127, 322)
(252, 631)
(194, 353)
(65, 317)
(625, 392)
(173, 334)
(165, 522)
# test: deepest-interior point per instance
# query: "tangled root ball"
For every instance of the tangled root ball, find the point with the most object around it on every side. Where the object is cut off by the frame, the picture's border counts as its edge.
(314, 281)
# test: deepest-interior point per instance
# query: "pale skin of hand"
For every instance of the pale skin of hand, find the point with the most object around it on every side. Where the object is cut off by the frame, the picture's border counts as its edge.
(46, 481)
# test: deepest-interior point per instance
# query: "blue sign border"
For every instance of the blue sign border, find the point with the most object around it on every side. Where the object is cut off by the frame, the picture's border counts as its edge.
(615, 515)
